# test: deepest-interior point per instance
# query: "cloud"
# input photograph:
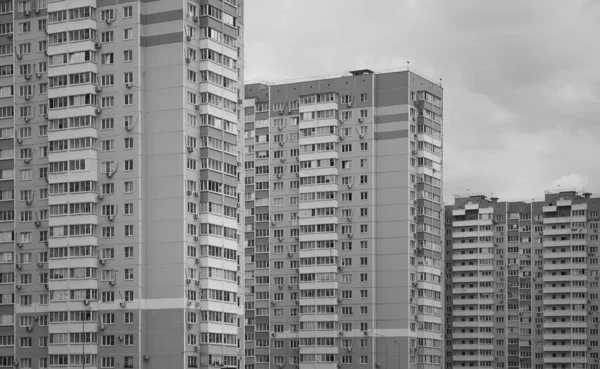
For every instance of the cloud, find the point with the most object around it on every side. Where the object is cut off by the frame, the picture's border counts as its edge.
(521, 87)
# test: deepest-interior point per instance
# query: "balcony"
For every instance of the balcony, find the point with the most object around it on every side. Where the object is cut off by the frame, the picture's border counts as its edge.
(473, 245)
(471, 347)
(473, 301)
(471, 335)
(456, 280)
(567, 289)
(565, 325)
(472, 290)
(565, 313)
(474, 313)
(560, 348)
(567, 254)
(558, 231)
(471, 222)
(472, 234)
(472, 267)
(564, 336)
(561, 266)
(562, 278)
(565, 360)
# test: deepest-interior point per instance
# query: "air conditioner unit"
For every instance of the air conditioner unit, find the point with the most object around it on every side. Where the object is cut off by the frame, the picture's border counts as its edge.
(360, 120)
(129, 85)
(38, 75)
(101, 261)
(282, 160)
(122, 304)
(278, 175)
(195, 216)
(197, 107)
(341, 333)
(415, 152)
(290, 286)
(342, 138)
(188, 60)
(98, 110)
(19, 266)
(195, 18)
(98, 88)
(273, 334)
(40, 265)
(101, 327)
(109, 21)
(189, 38)
(112, 283)
(195, 238)
(280, 143)
(146, 357)
(27, 119)
(110, 218)
(37, 223)
(197, 260)
(190, 149)
(290, 254)
(18, 286)
(273, 303)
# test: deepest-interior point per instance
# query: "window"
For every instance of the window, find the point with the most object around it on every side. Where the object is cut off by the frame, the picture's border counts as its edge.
(128, 142)
(128, 187)
(108, 58)
(128, 77)
(129, 101)
(128, 252)
(364, 97)
(106, 37)
(129, 165)
(127, 12)
(128, 55)
(128, 230)
(127, 34)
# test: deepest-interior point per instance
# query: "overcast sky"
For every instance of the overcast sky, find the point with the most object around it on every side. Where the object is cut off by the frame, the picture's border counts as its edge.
(521, 78)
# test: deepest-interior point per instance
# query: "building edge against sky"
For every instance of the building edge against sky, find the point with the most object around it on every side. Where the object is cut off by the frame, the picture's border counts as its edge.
(523, 282)
(344, 222)
(118, 159)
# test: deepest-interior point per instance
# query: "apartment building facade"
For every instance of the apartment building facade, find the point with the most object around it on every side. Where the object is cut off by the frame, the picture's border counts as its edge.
(522, 282)
(119, 183)
(343, 226)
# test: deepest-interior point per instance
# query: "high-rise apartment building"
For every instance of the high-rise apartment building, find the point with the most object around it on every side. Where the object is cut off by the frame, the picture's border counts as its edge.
(118, 183)
(344, 222)
(522, 282)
